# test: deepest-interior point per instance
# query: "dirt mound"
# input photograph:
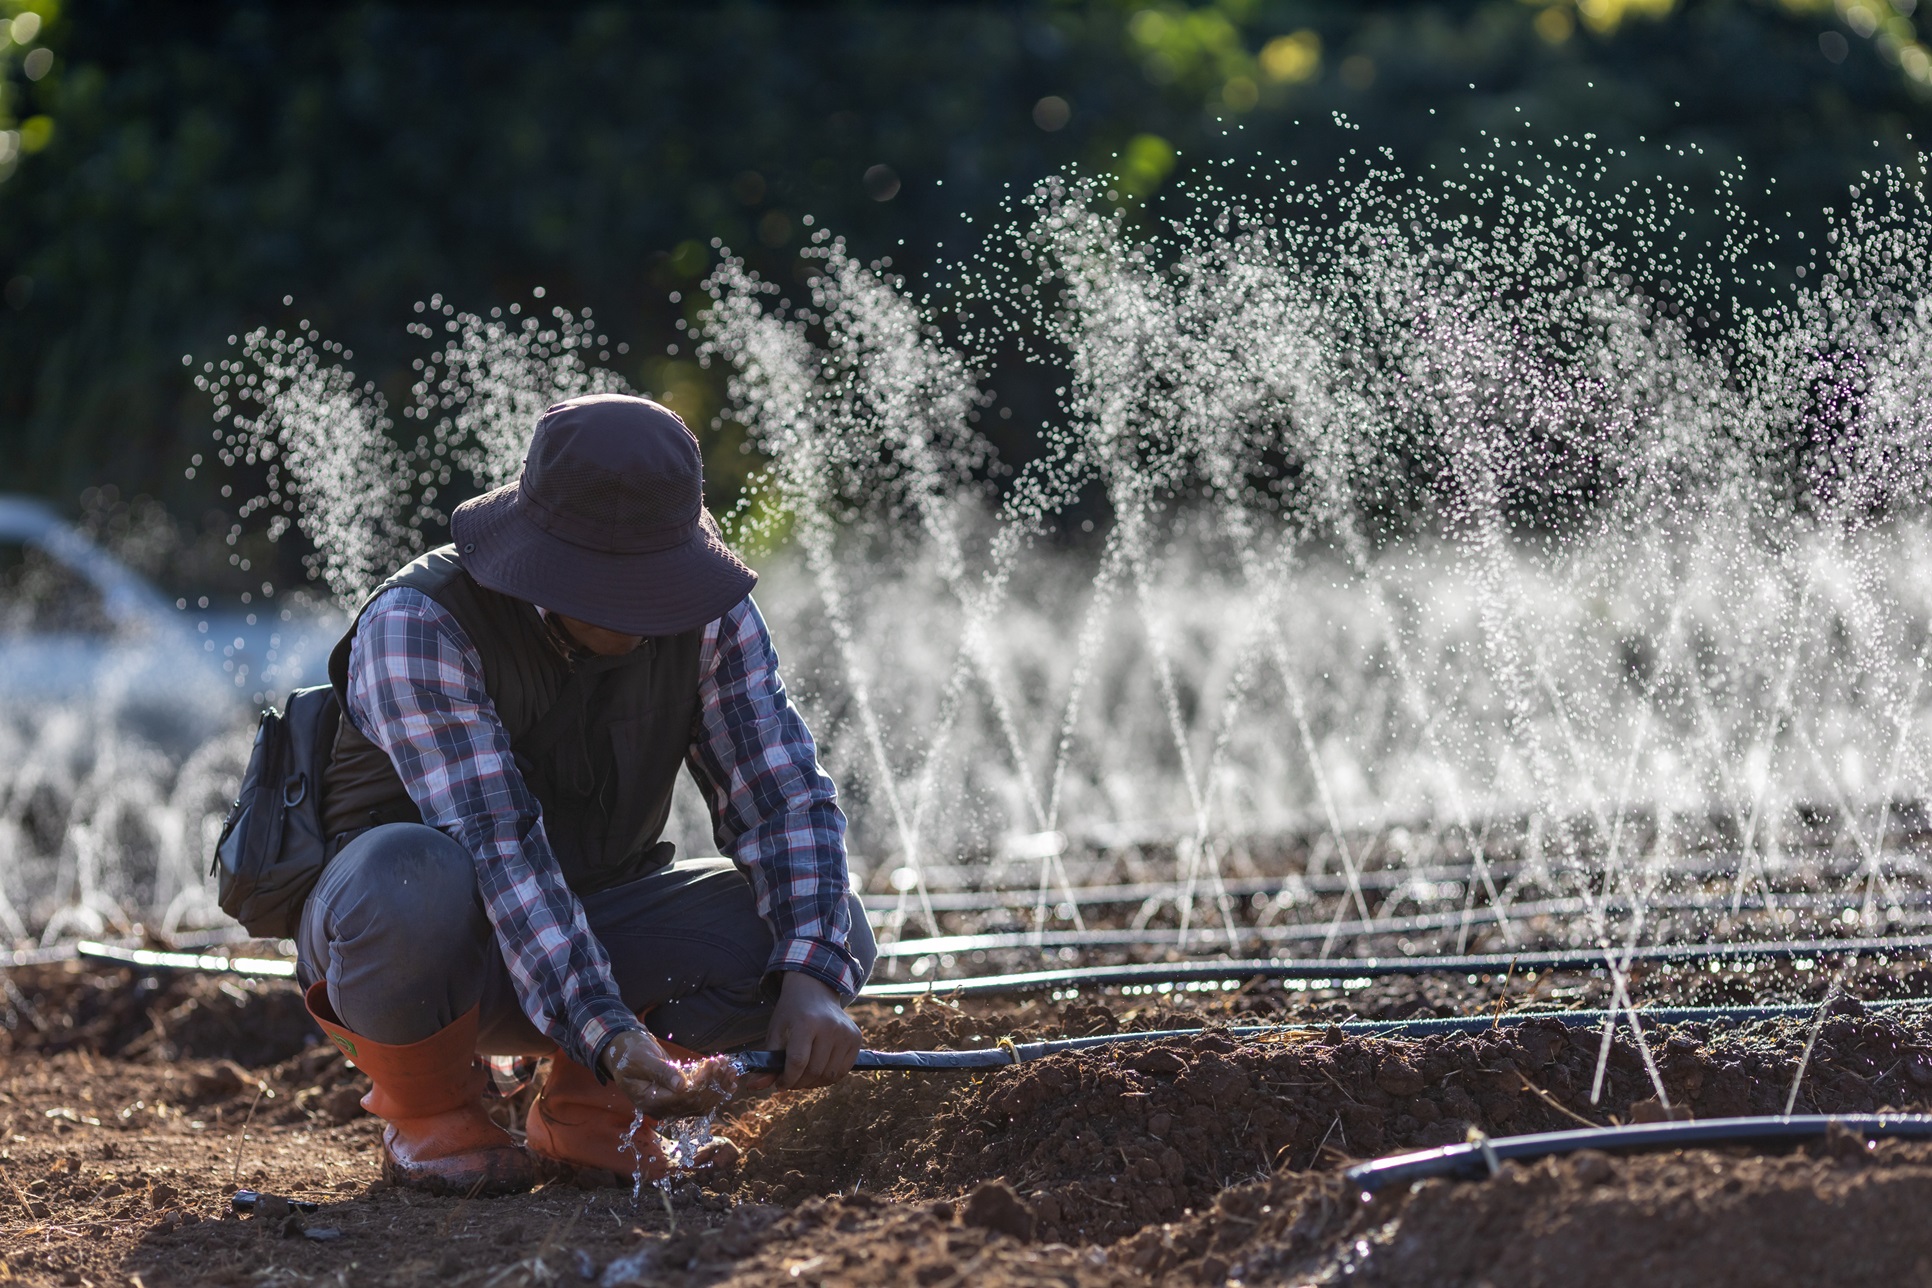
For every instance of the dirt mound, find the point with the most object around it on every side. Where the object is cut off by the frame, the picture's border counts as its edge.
(1105, 1142)
(857, 1239)
(168, 1016)
(1711, 1218)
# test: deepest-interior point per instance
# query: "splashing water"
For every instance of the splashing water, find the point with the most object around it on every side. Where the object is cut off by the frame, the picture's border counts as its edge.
(690, 1134)
(496, 377)
(1471, 560)
(679, 1147)
(1422, 523)
(102, 829)
(629, 1145)
(326, 443)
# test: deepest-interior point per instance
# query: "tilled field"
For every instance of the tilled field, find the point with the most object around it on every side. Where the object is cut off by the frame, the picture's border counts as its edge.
(133, 1107)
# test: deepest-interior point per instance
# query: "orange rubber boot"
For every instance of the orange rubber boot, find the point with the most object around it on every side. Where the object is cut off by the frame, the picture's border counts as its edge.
(579, 1122)
(439, 1137)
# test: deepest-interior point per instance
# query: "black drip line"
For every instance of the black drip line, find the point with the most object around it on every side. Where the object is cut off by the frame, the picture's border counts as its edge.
(1009, 1053)
(1484, 1156)
(1346, 968)
(1219, 971)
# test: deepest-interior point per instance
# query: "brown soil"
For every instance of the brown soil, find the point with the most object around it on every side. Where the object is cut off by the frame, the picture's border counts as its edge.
(131, 1108)
(1832, 1213)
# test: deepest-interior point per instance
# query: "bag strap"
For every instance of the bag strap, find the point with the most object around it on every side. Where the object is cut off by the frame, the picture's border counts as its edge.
(265, 818)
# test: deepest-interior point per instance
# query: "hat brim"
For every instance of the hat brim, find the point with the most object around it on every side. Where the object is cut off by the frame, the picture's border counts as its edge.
(659, 592)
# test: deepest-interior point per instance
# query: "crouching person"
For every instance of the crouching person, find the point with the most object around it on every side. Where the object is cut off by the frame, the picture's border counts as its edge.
(517, 707)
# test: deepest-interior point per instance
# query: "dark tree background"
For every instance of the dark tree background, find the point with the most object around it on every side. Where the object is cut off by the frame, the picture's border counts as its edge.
(172, 172)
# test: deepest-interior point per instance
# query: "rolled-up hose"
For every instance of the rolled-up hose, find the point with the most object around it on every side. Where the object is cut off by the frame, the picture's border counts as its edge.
(1011, 1053)
(1479, 1157)
(1379, 967)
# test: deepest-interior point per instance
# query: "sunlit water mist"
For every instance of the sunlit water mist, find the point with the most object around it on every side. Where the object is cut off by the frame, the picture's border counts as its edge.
(1471, 562)
(1434, 543)
(102, 828)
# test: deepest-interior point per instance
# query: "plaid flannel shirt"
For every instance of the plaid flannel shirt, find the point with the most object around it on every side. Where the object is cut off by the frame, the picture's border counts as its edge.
(416, 690)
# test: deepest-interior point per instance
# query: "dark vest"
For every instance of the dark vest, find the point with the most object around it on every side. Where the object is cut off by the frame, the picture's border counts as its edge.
(599, 741)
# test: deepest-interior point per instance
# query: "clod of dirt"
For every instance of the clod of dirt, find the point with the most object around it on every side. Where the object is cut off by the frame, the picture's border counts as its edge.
(224, 1079)
(994, 1206)
(1398, 1077)
(717, 1156)
(340, 1104)
(1842, 1143)
(1591, 1167)
(1159, 1061)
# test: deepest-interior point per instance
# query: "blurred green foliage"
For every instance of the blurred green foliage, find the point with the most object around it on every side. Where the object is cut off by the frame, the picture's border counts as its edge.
(176, 172)
(28, 78)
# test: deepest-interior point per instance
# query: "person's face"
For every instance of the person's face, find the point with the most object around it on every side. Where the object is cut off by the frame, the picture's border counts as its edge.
(598, 640)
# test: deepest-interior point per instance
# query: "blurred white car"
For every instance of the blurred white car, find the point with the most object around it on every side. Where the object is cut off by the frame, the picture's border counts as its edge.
(80, 629)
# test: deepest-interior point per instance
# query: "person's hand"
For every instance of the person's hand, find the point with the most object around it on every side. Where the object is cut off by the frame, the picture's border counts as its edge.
(818, 1038)
(659, 1086)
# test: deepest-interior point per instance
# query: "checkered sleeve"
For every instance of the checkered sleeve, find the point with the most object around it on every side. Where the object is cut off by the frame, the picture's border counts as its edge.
(416, 690)
(772, 807)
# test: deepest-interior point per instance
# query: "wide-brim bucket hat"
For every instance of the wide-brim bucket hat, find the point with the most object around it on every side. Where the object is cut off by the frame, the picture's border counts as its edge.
(607, 523)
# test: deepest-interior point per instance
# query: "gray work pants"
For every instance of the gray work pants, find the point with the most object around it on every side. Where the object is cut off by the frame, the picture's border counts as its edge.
(397, 928)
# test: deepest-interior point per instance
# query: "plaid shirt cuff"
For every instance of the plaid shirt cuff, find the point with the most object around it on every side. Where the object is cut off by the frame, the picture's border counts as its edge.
(824, 962)
(597, 1021)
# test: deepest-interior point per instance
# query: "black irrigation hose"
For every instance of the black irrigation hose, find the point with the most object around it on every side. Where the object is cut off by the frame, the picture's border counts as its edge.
(1480, 1157)
(989, 899)
(146, 959)
(1333, 968)
(1012, 1053)
(1327, 968)
(67, 952)
(1338, 968)
(1289, 932)
(975, 898)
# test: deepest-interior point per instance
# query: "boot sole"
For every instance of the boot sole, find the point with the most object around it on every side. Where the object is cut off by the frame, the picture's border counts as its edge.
(486, 1182)
(560, 1171)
